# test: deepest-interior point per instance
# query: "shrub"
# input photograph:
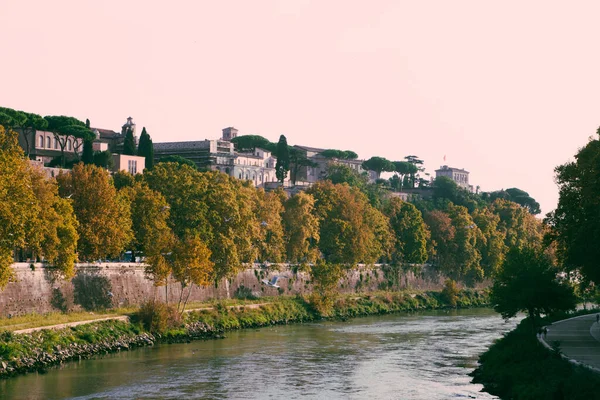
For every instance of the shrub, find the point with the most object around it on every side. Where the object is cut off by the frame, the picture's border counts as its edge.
(450, 292)
(158, 317)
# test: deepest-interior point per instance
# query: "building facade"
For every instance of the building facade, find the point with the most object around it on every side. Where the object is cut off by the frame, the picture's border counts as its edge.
(219, 155)
(458, 175)
(311, 174)
(43, 146)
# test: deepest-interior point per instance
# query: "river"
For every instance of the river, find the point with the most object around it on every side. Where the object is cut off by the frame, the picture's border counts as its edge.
(418, 356)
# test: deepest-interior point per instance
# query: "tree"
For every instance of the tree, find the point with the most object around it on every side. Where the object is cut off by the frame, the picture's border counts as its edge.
(283, 159)
(491, 244)
(129, 143)
(192, 266)
(379, 165)
(246, 143)
(326, 278)
(350, 229)
(122, 179)
(27, 122)
(54, 232)
(179, 160)
(404, 169)
(446, 190)
(518, 196)
(146, 148)
(18, 205)
(340, 173)
(298, 160)
(339, 154)
(104, 216)
(301, 228)
(528, 282)
(270, 240)
(103, 159)
(521, 229)
(88, 152)
(410, 231)
(68, 129)
(414, 175)
(574, 224)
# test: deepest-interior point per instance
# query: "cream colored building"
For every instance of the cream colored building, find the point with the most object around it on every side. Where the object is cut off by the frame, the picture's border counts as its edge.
(132, 164)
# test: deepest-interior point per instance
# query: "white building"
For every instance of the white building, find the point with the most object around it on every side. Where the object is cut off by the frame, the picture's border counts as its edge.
(458, 175)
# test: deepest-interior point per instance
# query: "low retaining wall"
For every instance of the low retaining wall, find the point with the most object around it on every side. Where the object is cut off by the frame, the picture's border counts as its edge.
(39, 290)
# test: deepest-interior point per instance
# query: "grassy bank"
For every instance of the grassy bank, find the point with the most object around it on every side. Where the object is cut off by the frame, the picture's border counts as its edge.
(519, 367)
(39, 350)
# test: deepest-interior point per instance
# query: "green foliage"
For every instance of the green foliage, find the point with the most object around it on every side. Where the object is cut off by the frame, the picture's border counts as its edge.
(410, 231)
(88, 152)
(245, 143)
(283, 159)
(515, 195)
(103, 159)
(179, 160)
(325, 279)
(146, 148)
(129, 144)
(379, 165)
(450, 292)
(519, 367)
(574, 223)
(528, 282)
(339, 154)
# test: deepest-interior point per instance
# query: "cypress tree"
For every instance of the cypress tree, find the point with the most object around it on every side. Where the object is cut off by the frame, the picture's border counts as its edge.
(129, 144)
(88, 152)
(146, 148)
(283, 159)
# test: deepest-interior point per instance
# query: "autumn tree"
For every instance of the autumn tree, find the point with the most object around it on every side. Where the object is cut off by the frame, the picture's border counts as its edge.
(54, 233)
(350, 230)
(301, 228)
(410, 231)
(18, 205)
(283, 159)
(521, 228)
(529, 282)
(191, 266)
(466, 260)
(491, 243)
(270, 241)
(325, 278)
(104, 216)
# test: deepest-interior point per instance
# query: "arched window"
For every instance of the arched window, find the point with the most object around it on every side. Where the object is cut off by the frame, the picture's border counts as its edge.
(55, 144)
(240, 175)
(69, 147)
(41, 140)
(48, 145)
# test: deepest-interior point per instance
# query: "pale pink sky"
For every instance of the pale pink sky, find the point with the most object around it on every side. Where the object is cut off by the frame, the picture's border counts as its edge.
(507, 90)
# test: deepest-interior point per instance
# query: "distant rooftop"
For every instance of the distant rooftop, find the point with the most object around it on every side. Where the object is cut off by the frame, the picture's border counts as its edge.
(313, 149)
(196, 144)
(447, 168)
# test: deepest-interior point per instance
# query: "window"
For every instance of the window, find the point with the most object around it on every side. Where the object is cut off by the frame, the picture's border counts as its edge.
(132, 166)
(48, 142)
(41, 140)
(69, 146)
(55, 144)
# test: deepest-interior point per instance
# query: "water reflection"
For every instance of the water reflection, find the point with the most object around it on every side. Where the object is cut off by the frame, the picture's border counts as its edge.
(424, 356)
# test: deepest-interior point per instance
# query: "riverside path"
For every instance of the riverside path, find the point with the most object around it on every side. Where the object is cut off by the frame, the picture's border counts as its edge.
(578, 339)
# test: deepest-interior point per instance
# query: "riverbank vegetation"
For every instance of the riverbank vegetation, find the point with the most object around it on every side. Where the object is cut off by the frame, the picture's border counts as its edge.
(519, 367)
(199, 227)
(160, 323)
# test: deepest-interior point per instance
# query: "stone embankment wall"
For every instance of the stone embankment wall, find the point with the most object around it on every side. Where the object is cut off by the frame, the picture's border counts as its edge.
(39, 290)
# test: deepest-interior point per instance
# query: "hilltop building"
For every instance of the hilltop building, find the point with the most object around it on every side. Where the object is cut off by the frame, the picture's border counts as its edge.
(458, 175)
(43, 146)
(220, 155)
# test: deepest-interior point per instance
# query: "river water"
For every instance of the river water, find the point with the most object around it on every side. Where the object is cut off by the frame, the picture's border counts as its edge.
(419, 356)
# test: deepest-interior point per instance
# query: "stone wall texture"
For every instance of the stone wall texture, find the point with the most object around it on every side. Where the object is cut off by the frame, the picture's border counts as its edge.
(39, 290)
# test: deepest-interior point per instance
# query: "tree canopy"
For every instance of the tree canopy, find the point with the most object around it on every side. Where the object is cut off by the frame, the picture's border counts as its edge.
(528, 282)
(340, 154)
(129, 143)
(146, 148)
(379, 165)
(283, 159)
(246, 143)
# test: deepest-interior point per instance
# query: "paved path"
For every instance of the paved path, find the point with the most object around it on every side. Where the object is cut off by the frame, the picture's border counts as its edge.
(579, 339)
(124, 318)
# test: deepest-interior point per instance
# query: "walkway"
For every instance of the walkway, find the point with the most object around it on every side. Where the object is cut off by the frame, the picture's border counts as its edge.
(578, 338)
(126, 318)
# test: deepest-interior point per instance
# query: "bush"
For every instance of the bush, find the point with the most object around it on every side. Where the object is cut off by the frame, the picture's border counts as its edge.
(244, 293)
(158, 317)
(450, 292)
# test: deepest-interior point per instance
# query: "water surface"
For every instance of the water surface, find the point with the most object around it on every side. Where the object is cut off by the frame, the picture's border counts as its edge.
(419, 356)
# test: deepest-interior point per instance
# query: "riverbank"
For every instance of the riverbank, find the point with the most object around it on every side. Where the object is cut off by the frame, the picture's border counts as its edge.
(40, 350)
(519, 367)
